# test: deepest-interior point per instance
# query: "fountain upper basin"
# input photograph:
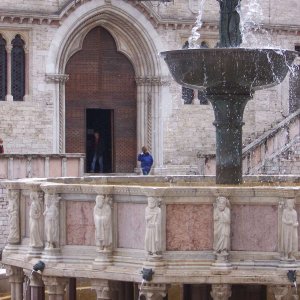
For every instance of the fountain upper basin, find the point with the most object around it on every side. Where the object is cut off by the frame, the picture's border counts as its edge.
(229, 70)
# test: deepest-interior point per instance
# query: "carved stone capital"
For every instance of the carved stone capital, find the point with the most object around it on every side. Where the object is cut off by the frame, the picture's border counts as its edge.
(153, 291)
(220, 291)
(279, 291)
(15, 274)
(36, 279)
(55, 285)
(102, 289)
(56, 78)
(152, 81)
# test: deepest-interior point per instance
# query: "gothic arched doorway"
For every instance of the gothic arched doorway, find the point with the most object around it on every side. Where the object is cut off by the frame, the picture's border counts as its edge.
(101, 96)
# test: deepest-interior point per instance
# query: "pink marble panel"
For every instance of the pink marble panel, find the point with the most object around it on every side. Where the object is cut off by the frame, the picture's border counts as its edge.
(131, 225)
(38, 167)
(80, 223)
(189, 227)
(3, 168)
(72, 167)
(55, 167)
(19, 168)
(254, 227)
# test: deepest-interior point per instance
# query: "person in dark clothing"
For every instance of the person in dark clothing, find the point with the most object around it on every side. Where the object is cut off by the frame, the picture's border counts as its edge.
(98, 151)
(1, 146)
(146, 160)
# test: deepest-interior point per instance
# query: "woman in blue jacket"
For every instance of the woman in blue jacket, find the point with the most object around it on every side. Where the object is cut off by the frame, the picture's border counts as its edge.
(146, 160)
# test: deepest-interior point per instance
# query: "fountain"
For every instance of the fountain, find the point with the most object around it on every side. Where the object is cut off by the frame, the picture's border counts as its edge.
(229, 76)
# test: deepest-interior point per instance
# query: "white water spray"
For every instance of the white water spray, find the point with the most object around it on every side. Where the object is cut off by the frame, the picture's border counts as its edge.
(193, 39)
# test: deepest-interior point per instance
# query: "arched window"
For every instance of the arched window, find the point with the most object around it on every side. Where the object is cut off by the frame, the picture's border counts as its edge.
(3, 69)
(18, 68)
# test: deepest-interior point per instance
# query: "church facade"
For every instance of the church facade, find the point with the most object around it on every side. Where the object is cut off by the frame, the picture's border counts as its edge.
(70, 68)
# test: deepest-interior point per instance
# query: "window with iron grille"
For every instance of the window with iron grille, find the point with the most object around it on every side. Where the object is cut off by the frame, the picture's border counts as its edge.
(18, 68)
(3, 68)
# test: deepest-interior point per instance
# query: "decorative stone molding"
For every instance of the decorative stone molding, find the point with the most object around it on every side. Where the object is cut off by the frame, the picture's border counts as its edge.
(57, 78)
(153, 243)
(153, 291)
(51, 217)
(102, 289)
(13, 209)
(289, 230)
(36, 219)
(153, 81)
(222, 222)
(279, 291)
(220, 291)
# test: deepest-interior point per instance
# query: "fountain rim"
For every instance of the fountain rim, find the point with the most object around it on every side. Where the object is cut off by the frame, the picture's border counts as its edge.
(229, 49)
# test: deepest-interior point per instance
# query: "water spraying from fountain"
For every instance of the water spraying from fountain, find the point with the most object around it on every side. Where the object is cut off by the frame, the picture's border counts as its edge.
(193, 39)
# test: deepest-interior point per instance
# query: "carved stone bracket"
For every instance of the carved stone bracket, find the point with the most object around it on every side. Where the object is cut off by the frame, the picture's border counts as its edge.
(15, 274)
(56, 78)
(280, 291)
(220, 291)
(154, 291)
(55, 286)
(153, 81)
(102, 289)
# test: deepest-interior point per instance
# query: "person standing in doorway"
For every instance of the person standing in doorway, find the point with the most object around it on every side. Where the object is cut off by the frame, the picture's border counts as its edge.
(1, 146)
(146, 160)
(98, 151)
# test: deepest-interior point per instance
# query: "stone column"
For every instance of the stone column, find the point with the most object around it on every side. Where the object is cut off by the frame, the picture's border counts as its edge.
(55, 287)
(9, 96)
(220, 291)
(37, 288)
(26, 50)
(59, 107)
(15, 278)
(279, 291)
(101, 286)
(154, 291)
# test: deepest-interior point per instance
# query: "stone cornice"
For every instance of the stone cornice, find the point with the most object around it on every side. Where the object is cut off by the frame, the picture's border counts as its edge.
(57, 18)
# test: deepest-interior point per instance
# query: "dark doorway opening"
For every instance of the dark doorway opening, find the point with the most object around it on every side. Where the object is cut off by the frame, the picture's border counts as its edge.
(100, 120)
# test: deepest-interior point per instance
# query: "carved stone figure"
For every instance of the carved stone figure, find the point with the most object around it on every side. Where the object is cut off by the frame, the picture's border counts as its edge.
(51, 215)
(13, 217)
(221, 226)
(153, 227)
(289, 230)
(220, 291)
(35, 220)
(103, 222)
(230, 33)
